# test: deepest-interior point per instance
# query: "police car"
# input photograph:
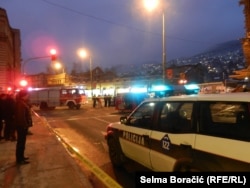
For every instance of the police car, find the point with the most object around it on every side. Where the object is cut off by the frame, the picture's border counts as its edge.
(209, 132)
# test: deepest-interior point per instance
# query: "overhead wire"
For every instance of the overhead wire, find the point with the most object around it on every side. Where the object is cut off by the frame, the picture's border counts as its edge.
(117, 24)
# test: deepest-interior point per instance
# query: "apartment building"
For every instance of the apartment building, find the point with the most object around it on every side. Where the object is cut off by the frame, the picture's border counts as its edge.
(10, 53)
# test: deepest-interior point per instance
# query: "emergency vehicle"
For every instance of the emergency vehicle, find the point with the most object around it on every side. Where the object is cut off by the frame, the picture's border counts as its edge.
(205, 132)
(55, 97)
(127, 102)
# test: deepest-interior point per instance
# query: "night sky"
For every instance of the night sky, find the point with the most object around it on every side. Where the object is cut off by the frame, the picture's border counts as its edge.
(120, 31)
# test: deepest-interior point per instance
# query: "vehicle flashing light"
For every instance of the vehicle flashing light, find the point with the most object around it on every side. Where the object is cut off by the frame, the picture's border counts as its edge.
(9, 89)
(23, 83)
(161, 88)
(191, 87)
(138, 90)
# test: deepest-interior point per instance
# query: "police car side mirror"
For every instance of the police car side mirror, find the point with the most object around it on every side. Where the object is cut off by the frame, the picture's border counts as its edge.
(123, 119)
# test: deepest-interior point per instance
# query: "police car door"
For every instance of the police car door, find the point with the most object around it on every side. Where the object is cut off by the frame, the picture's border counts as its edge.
(135, 138)
(172, 142)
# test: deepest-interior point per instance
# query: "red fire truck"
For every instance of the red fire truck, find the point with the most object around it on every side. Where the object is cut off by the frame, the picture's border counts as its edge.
(51, 98)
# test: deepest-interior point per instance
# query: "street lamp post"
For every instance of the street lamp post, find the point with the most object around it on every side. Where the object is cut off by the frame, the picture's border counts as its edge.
(83, 53)
(58, 66)
(91, 75)
(150, 5)
(164, 55)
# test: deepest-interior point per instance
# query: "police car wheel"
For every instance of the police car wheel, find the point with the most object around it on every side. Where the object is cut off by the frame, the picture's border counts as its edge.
(115, 152)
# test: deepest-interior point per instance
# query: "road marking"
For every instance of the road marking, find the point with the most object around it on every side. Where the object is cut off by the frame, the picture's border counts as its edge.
(102, 120)
(73, 119)
(99, 173)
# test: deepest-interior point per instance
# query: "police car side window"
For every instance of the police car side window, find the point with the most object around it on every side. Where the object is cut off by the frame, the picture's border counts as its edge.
(143, 116)
(176, 117)
(225, 119)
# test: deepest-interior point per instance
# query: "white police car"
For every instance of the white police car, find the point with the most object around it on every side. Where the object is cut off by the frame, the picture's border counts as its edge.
(209, 132)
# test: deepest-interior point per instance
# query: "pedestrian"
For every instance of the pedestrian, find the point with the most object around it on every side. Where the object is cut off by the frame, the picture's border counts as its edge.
(109, 100)
(23, 121)
(105, 100)
(2, 115)
(94, 101)
(9, 131)
(99, 100)
(29, 131)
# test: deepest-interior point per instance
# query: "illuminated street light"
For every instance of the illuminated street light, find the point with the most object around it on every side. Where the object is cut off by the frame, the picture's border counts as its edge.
(58, 66)
(83, 54)
(150, 5)
(23, 83)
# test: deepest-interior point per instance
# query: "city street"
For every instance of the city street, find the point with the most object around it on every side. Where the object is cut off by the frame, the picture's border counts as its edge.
(83, 130)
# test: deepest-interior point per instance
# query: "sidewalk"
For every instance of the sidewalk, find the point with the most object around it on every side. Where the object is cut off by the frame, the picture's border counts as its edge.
(50, 164)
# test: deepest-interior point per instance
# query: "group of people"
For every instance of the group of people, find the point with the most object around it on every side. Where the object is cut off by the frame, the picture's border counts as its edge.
(97, 100)
(7, 107)
(16, 118)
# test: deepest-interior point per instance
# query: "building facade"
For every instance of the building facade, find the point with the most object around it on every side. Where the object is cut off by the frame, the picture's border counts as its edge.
(10, 53)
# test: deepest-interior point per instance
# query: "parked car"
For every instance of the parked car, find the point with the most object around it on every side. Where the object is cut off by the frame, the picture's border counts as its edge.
(209, 132)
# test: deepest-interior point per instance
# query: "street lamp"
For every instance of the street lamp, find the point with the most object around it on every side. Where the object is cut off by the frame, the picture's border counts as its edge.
(83, 54)
(58, 66)
(150, 6)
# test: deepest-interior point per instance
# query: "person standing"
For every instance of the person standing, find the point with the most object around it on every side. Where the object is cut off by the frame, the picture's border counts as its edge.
(23, 121)
(9, 131)
(109, 100)
(99, 100)
(105, 100)
(94, 101)
(2, 115)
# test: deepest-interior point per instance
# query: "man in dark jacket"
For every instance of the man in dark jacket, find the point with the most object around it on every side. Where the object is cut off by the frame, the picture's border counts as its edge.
(2, 114)
(22, 121)
(9, 106)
